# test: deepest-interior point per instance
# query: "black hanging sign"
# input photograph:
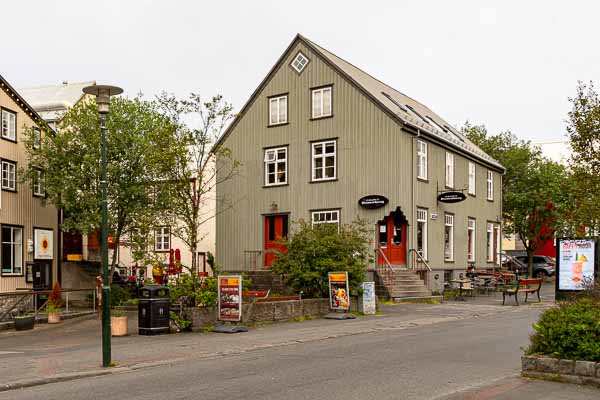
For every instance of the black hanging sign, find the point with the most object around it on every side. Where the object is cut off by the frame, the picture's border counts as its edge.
(451, 197)
(373, 201)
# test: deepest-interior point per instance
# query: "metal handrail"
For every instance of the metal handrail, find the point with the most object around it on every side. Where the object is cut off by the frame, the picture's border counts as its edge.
(389, 265)
(420, 257)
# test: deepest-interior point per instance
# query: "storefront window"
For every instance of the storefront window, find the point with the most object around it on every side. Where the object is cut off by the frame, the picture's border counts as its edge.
(449, 238)
(422, 232)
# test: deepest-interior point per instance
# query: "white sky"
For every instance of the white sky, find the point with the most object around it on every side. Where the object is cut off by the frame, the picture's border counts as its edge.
(507, 64)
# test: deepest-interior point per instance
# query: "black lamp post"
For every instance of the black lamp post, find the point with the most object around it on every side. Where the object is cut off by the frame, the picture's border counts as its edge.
(103, 93)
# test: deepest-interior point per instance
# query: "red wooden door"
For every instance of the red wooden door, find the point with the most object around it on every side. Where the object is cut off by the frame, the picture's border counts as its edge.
(276, 228)
(392, 242)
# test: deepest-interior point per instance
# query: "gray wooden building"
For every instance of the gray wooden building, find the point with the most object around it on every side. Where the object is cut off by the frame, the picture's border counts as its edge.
(320, 134)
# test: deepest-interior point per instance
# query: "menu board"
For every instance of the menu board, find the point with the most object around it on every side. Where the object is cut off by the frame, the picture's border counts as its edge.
(43, 244)
(230, 297)
(339, 293)
(576, 261)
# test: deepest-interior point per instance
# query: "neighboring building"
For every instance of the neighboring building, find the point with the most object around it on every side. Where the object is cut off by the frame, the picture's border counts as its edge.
(318, 134)
(28, 228)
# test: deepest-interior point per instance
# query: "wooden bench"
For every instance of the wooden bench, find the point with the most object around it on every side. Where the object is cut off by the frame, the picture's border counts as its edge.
(523, 286)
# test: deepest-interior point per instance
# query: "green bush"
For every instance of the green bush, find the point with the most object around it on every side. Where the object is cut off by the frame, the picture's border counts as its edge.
(313, 251)
(571, 331)
(192, 291)
(118, 295)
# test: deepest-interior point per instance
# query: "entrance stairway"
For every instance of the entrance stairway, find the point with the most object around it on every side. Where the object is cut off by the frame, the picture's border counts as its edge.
(401, 284)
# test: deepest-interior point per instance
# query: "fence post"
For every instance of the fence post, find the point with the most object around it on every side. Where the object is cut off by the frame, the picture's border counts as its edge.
(34, 306)
(67, 302)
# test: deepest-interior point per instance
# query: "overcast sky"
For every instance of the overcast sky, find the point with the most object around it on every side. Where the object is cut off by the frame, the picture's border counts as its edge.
(506, 64)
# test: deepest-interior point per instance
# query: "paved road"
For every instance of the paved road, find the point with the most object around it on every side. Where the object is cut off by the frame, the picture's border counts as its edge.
(431, 361)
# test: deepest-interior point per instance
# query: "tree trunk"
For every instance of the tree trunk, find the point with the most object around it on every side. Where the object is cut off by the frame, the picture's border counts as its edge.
(113, 263)
(530, 262)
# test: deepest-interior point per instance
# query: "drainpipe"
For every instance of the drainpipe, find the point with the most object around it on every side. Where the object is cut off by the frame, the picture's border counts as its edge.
(59, 252)
(414, 183)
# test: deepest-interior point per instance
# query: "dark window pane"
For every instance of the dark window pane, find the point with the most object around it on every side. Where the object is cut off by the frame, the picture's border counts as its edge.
(382, 234)
(284, 223)
(329, 161)
(271, 223)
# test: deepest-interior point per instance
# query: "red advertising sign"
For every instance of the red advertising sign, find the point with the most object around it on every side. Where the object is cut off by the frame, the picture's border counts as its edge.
(230, 298)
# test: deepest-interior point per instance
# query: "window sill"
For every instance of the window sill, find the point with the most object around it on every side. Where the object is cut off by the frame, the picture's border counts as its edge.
(276, 125)
(322, 117)
(449, 187)
(448, 261)
(9, 190)
(40, 196)
(12, 275)
(324, 180)
(9, 139)
(161, 251)
(424, 180)
(490, 200)
(275, 185)
(472, 194)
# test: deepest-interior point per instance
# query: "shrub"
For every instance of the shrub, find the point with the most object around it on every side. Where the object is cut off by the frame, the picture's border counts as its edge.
(192, 291)
(571, 331)
(118, 295)
(313, 251)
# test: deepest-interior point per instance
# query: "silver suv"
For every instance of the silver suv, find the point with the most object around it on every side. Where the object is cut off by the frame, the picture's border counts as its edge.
(543, 266)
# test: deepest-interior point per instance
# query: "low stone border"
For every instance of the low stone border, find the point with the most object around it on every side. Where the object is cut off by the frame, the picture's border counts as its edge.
(262, 312)
(571, 371)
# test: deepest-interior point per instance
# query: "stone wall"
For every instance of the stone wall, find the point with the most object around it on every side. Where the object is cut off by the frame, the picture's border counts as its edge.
(579, 372)
(262, 312)
(267, 280)
(25, 304)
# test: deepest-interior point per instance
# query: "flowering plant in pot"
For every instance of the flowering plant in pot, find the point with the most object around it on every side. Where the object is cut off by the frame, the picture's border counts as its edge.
(54, 304)
(118, 317)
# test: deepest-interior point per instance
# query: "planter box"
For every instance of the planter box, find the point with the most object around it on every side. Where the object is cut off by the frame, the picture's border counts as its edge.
(54, 317)
(24, 323)
(118, 325)
(571, 371)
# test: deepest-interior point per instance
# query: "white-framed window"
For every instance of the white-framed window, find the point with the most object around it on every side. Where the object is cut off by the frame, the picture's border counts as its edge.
(448, 237)
(489, 237)
(37, 138)
(300, 61)
(324, 160)
(321, 102)
(9, 175)
(39, 184)
(162, 237)
(12, 250)
(449, 170)
(422, 232)
(326, 217)
(9, 125)
(421, 159)
(278, 107)
(471, 178)
(490, 185)
(276, 165)
(471, 239)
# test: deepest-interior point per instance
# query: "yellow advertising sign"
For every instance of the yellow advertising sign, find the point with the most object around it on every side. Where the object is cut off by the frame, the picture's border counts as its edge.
(339, 277)
(74, 257)
(230, 281)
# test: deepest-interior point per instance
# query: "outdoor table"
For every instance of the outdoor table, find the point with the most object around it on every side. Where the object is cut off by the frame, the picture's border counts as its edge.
(461, 282)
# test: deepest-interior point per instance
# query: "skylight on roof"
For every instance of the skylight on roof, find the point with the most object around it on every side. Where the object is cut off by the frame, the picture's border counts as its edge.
(390, 98)
(411, 111)
(300, 62)
(435, 124)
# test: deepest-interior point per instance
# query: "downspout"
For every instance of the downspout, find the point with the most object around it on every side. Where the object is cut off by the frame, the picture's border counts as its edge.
(59, 252)
(414, 183)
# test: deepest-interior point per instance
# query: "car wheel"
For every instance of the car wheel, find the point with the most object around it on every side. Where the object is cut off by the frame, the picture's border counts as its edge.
(540, 274)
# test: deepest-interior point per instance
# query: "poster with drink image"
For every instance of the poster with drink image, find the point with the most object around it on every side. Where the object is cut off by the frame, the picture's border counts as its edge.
(576, 258)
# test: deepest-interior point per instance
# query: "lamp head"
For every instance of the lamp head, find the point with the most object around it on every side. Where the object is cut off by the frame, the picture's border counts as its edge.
(102, 93)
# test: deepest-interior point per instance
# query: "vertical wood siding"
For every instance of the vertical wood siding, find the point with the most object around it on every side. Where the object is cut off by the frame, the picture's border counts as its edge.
(22, 208)
(374, 156)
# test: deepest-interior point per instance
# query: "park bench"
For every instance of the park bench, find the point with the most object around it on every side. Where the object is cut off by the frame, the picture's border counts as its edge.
(523, 286)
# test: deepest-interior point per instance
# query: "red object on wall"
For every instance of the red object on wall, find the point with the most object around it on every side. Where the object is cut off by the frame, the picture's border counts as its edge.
(276, 228)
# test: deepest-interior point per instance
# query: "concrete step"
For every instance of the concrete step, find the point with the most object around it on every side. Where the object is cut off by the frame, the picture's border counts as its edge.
(407, 287)
(418, 299)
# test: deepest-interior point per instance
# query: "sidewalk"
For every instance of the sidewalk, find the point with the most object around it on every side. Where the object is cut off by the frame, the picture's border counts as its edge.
(73, 349)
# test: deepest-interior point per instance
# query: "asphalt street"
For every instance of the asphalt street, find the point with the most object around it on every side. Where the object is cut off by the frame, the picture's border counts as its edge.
(432, 361)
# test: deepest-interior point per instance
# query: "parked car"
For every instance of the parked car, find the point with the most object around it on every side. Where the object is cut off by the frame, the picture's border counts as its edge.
(543, 266)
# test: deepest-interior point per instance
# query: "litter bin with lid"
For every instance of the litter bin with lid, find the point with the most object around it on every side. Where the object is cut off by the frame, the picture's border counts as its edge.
(153, 310)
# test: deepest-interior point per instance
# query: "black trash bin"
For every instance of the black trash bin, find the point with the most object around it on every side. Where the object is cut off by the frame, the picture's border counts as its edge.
(153, 310)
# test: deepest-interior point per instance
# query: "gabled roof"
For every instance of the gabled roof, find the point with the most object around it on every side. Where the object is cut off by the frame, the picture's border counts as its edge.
(413, 115)
(21, 102)
(51, 101)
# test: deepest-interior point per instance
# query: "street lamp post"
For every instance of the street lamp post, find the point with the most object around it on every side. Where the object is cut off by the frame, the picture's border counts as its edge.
(103, 93)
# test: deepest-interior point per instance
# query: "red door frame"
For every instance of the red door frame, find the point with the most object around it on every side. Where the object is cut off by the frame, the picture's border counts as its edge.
(395, 247)
(275, 226)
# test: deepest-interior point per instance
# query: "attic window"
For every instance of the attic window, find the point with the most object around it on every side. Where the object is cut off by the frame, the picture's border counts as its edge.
(300, 62)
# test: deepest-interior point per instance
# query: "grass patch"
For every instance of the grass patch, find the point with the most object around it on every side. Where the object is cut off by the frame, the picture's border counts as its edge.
(303, 318)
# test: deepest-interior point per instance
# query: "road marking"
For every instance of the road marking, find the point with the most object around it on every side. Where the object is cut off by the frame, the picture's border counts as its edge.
(10, 352)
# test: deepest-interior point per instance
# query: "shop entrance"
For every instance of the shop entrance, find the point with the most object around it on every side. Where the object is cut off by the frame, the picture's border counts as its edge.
(276, 228)
(392, 238)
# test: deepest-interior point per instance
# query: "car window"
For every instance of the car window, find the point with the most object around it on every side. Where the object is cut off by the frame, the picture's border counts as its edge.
(539, 260)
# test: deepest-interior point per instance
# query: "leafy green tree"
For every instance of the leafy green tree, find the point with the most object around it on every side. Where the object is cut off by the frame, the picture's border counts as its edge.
(535, 190)
(583, 129)
(141, 148)
(199, 124)
(313, 251)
